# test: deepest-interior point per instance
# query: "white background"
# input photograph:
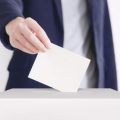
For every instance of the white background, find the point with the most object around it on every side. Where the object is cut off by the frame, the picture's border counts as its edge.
(5, 56)
(114, 7)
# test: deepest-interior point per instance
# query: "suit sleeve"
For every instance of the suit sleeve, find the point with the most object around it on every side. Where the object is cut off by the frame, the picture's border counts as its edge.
(9, 9)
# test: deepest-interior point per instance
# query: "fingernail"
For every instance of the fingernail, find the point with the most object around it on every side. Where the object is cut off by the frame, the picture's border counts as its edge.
(45, 50)
(35, 51)
(49, 45)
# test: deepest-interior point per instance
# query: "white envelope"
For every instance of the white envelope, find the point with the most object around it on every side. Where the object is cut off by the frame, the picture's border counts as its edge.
(60, 69)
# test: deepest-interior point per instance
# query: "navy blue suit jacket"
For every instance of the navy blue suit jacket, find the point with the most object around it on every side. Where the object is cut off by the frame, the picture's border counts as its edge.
(48, 14)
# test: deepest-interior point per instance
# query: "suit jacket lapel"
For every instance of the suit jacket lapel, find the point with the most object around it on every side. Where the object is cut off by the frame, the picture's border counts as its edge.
(96, 10)
(96, 15)
(58, 8)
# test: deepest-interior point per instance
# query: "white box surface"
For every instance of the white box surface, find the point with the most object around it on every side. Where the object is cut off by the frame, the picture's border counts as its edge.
(48, 104)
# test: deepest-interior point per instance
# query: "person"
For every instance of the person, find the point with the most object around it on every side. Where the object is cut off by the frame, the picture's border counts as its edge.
(82, 26)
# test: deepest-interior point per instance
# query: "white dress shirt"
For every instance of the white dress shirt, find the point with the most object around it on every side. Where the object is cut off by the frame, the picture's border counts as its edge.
(77, 36)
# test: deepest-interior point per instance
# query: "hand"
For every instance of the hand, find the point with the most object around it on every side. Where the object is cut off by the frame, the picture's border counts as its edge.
(27, 35)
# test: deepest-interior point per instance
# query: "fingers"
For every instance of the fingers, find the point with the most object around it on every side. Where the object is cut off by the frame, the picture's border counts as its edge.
(25, 43)
(32, 39)
(40, 33)
(16, 44)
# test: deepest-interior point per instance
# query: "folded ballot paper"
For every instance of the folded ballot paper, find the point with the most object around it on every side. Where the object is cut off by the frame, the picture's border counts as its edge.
(60, 69)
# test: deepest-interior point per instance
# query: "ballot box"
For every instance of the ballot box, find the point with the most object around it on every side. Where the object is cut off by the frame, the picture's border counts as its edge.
(49, 104)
